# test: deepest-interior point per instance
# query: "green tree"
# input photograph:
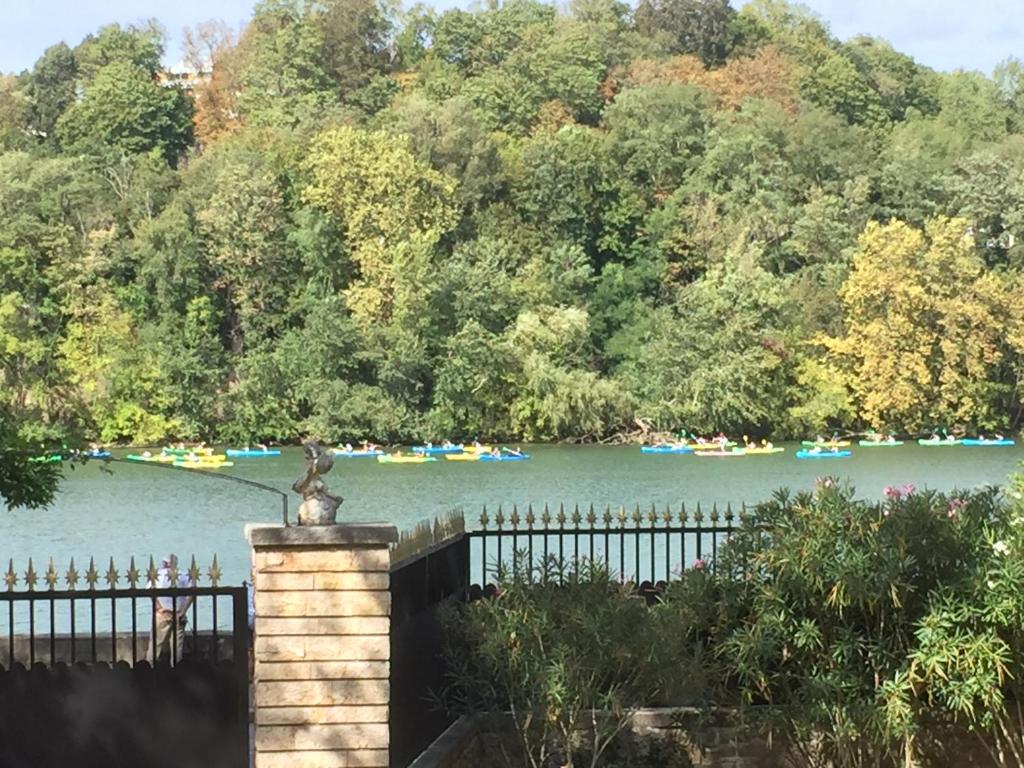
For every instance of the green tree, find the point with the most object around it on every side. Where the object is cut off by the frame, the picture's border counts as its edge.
(51, 89)
(125, 110)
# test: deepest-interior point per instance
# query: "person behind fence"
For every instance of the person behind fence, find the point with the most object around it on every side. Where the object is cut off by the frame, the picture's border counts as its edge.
(170, 613)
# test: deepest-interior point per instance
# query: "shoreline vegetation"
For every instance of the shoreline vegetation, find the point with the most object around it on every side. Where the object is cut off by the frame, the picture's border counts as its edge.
(588, 224)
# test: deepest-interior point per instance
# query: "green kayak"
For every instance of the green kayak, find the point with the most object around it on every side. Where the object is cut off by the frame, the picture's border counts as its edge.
(55, 458)
(879, 443)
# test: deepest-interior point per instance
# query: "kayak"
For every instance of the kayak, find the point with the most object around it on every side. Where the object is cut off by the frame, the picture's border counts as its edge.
(503, 457)
(187, 451)
(879, 443)
(979, 443)
(763, 451)
(825, 443)
(393, 459)
(246, 453)
(463, 456)
(99, 454)
(732, 454)
(204, 464)
(666, 449)
(436, 450)
(823, 454)
(712, 446)
(342, 453)
(160, 458)
(55, 458)
(939, 443)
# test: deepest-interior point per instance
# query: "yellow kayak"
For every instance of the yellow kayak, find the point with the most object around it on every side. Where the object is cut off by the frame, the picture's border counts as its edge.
(463, 456)
(825, 444)
(399, 459)
(204, 464)
(764, 450)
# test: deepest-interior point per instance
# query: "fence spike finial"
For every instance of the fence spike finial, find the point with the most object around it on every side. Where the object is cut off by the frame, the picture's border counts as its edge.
(514, 517)
(112, 577)
(577, 518)
(485, 519)
(637, 515)
(499, 517)
(652, 516)
(560, 517)
(132, 574)
(591, 516)
(713, 517)
(71, 577)
(51, 576)
(606, 518)
(10, 578)
(92, 575)
(215, 572)
(667, 515)
(31, 577)
(530, 517)
(194, 573)
(682, 513)
(545, 517)
(151, 573)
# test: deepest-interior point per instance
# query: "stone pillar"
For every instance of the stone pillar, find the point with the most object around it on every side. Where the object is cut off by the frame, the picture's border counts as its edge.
(322, 645)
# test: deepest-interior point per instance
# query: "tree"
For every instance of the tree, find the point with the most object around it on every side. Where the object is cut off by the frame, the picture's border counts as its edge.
(703, 28)
(716, 359)
(282, 75)
(356, 38)
(927, 329)
(394, 210)
(124, 110)
(23, 483)
(51, 89)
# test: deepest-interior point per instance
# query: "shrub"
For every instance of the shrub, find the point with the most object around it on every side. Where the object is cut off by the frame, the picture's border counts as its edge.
(827, 597)
(568, 656)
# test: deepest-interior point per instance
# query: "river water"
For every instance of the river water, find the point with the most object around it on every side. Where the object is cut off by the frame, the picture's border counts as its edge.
(125, 509)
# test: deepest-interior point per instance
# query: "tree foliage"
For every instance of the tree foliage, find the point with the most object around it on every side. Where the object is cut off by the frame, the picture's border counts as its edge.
(516, 221)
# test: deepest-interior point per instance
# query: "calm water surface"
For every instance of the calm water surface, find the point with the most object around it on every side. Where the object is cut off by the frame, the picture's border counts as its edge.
(141, 511)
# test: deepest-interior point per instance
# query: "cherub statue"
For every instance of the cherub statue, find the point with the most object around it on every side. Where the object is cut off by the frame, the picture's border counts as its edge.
(318, 506)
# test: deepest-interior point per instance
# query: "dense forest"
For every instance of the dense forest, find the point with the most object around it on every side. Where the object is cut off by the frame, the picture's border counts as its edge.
(520, 222)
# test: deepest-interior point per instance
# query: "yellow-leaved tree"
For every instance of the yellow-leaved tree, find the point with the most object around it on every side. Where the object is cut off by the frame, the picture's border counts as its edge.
(932, 336)
(394, 209)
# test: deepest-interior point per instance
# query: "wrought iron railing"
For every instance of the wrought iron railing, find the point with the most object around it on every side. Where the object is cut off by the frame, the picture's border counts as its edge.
(92, 618)
(636, 546)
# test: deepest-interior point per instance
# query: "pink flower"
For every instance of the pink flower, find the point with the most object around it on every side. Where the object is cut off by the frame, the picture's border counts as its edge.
(908, 489)
(955, 505)
(699, 564)
(891, 493)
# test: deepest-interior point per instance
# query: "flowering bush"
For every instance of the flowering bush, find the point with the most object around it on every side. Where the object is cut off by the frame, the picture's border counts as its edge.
(827, 594)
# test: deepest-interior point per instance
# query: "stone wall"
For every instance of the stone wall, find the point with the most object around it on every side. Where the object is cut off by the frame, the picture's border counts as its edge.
(322, 645)
(666, 738)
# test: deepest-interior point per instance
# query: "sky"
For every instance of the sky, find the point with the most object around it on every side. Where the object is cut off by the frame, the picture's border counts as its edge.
(944, 34)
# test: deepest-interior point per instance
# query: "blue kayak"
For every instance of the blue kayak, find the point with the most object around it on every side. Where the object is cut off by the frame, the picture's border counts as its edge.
(823, 454)
(363, 454)
(666, 449)
(246, 453)
(504, 457)
(985, 443)
(436, 450)
(99, 454)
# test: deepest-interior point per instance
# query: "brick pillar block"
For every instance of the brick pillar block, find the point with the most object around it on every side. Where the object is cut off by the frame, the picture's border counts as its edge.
(322, 635)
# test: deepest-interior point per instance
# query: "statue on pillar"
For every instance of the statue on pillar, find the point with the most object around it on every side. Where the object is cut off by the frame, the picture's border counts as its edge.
(318, 506)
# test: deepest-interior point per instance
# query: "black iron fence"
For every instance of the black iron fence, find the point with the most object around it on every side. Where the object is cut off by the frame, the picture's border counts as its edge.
(149, 664)
(642, 547)
(436, 565)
